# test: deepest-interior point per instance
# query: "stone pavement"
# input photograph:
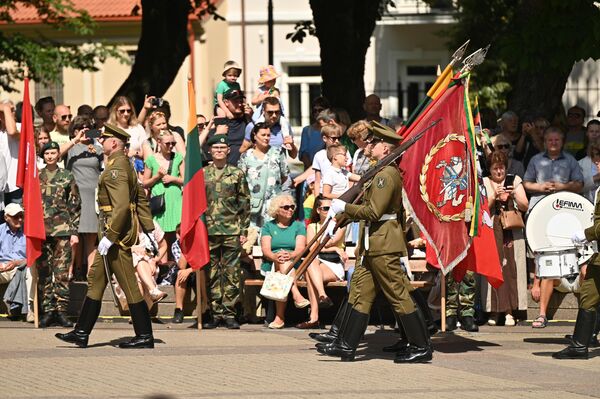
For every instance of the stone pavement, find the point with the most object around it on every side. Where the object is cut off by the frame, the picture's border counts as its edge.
(255, 362)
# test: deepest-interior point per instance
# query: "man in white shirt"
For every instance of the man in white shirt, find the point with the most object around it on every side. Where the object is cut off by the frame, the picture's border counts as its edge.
(9, 148)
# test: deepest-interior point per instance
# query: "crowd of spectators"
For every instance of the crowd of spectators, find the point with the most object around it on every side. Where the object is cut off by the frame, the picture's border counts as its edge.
(525, 159)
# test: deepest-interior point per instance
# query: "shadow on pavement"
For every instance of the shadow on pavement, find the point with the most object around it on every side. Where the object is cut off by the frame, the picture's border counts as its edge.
(547, 340)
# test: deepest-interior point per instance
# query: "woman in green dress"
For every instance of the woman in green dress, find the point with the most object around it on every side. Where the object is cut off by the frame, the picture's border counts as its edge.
(164, 176)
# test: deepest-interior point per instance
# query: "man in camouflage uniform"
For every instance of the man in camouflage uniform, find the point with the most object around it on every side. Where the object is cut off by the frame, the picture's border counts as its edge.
(62, 207)
(227, 221)
(460, 302)
(121, 201)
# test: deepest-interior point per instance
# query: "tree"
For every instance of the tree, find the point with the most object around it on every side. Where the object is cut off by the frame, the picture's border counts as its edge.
(163, 46)
(534, 44)
(46, 58)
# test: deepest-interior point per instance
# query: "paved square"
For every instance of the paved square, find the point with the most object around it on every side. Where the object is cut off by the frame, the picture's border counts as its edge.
(255, 362)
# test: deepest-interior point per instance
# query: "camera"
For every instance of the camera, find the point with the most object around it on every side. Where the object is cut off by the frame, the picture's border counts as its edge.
(157, 101)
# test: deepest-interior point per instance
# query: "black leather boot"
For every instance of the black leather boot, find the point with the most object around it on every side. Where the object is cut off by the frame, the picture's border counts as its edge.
(63, 320)
(48, 319)
(87, 318)
(342, 326)
(594, 341)
(421, 303)
(584, 328)
(419, 348)
(345, 346)
(140, 317)
(402, 343)
(333, 332)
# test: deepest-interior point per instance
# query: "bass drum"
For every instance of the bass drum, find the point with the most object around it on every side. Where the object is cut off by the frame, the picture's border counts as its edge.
(554, 219)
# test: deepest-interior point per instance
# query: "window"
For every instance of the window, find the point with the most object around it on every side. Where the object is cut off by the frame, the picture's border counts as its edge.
(302, 84)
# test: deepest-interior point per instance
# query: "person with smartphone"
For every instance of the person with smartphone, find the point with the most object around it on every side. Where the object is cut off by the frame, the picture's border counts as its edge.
(505, 191)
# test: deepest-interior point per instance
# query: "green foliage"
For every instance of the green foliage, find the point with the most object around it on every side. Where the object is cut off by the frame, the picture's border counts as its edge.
(537, 36)
(45, 58)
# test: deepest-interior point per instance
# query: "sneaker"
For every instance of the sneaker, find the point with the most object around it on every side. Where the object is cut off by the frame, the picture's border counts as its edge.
(510, 321)
(491, 322)
(177, 316)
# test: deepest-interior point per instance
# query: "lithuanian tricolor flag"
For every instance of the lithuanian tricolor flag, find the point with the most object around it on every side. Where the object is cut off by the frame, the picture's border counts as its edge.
(194, 236)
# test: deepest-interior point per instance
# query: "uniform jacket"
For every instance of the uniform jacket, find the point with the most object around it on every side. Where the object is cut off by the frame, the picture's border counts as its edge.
(228, 201)
(383, 195)
(121, 200)
(61, 201)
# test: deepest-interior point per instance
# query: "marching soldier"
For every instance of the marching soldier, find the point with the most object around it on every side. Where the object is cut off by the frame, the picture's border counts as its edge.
(381, 244)
(120, 200)
(227, 220)
(589, 296)
(62, 207)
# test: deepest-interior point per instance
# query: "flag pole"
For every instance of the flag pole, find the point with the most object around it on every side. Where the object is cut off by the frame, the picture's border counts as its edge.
(34, 283)
(443, 300)
(199, 282)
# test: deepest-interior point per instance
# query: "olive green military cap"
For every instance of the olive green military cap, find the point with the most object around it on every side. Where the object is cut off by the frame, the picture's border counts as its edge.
(114, 131)
(218, 139)
(51, 145)
(384, 133)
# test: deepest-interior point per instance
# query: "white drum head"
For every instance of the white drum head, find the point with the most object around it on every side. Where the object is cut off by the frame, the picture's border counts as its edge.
(555, 218)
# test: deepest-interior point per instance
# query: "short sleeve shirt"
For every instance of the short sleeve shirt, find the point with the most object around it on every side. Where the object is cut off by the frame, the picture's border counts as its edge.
(542, 169)
(223, 86)
(338, 179)
(283, 237)
(322, 164)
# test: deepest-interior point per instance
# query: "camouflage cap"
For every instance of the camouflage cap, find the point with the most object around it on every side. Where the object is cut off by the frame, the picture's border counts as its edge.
(384, 133)
(218, 139)
(114, 131)
(51, 145)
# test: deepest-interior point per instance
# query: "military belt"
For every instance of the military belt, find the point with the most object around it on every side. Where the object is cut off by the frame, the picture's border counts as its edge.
(109, 208)
(383, 218)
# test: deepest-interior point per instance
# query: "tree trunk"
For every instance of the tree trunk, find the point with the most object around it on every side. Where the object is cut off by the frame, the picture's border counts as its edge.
(344, 29)
(162, 49)
(537, 90)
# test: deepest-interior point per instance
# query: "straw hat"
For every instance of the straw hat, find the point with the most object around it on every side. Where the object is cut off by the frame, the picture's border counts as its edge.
(231, 65)
(267, 73)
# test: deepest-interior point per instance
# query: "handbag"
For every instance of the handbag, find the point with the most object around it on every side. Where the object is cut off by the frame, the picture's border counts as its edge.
(157, 202)
(511, 218)
(277, 286)
(332, 257)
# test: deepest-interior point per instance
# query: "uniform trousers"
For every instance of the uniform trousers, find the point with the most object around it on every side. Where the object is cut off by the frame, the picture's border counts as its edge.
(589, 293)
(381, 273)
(53, 272)
(224, 275)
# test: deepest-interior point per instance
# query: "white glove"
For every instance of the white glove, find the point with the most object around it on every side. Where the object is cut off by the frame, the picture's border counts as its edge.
(104, 245)
(330, 227)
(337, 206)
(578, 237)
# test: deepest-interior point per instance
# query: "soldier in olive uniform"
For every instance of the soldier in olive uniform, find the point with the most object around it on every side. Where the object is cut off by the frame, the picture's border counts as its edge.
(227, 220)
(62, 208)
(380, 245)
(120, 200)
(589, 295)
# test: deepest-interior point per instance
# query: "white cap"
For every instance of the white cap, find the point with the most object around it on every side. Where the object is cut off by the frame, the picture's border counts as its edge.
(13, 209)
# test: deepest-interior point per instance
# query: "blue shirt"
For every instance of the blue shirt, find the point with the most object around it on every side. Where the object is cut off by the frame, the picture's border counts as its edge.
(311, 142)
(542, 169)
(12, 245)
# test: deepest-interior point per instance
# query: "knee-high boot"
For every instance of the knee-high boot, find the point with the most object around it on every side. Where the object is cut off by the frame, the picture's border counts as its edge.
(142, 325)
(87, 318)
(333, 332)
(584, 328)
(419, 348)
(421, 303)
(347, 342)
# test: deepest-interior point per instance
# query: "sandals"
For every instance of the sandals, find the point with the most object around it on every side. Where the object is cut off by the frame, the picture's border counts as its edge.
(540, 322)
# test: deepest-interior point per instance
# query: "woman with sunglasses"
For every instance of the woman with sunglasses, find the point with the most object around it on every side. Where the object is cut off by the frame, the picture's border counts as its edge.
(266, 170)
(327, 267)
(282, 239)
(502, 143)
(164, 176)
(156, 123)
(122, 114)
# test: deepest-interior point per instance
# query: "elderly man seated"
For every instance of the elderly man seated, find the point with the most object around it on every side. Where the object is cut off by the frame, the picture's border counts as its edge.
(13, 262)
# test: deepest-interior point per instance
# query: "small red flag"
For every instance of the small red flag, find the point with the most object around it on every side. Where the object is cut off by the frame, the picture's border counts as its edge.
(28, 180)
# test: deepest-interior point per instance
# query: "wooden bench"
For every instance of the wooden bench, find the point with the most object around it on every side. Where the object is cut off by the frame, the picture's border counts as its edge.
(418, 267)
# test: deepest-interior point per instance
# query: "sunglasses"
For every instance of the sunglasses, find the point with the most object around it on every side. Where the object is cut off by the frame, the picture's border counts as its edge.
(324, 208)
(334, 138)
(169, 143)
(502, 146)
(201, 125)
(272, 112)
(66, 117)
(574, 115)
(124, 111)
(288, 207)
